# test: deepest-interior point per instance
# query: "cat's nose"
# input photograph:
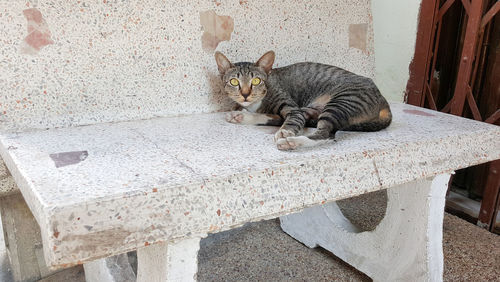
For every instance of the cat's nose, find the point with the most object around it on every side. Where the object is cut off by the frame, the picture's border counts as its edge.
(245, 92)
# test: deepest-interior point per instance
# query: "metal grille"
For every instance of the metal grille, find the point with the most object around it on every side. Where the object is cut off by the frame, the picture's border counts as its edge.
(464, 92)
(473, 55)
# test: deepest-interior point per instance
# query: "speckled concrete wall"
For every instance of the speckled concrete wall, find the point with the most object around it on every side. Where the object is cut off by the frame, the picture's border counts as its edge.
(65, 63)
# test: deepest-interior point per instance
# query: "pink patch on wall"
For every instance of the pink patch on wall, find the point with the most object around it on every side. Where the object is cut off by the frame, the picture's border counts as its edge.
(215, 29)
(418, 113)
(38, 32)
(358, 36)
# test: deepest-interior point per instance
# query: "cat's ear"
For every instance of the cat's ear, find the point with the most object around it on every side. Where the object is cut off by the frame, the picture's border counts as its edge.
(266, 61)
(222, 62)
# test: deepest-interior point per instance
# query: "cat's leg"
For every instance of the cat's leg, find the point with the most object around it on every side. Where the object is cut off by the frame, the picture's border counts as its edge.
(336, 115)
(323, 133)
(293, 125)
(348, 112)
(249, 118)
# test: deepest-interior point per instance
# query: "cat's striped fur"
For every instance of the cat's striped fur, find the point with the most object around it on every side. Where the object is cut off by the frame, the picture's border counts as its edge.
(303, 94)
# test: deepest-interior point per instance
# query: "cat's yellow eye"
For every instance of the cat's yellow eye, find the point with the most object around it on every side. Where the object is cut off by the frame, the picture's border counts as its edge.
(255, 81)
(234, 82)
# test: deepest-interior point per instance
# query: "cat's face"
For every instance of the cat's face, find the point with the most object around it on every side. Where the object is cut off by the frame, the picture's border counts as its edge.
(244, 82)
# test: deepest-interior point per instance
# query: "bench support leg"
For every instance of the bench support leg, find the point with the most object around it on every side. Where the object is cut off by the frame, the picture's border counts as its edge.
(111, 269)
(405, 246)
(159, 262)
(22, 239)
(168, 261)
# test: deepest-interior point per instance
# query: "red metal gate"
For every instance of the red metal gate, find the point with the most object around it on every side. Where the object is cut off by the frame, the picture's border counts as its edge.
(452, 71)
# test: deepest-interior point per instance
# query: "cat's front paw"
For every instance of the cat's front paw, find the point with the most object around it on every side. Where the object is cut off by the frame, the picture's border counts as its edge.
(285, 145)
(283, 134)
(280, 138)
(235, 117)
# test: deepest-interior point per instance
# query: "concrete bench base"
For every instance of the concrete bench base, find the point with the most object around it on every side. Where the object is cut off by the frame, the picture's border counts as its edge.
(405, 246)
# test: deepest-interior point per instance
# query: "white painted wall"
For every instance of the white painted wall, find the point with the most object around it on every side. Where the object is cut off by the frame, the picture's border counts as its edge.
(395, 30)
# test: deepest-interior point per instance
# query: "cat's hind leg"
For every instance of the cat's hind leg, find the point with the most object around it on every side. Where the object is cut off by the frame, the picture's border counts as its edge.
(340, 114)
(323, 133)
(336, 115)
(352, 110)
(249, 118)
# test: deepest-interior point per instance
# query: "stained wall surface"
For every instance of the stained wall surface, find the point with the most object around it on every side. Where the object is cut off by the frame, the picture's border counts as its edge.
(67, 63)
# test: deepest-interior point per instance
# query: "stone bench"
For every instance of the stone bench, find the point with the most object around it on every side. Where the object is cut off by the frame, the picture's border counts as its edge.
(160, 185)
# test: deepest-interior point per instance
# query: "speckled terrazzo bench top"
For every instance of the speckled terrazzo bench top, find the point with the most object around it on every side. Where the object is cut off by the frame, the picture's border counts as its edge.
(109, 188)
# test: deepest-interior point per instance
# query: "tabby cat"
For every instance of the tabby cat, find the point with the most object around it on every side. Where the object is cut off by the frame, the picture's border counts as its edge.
(299, 95)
